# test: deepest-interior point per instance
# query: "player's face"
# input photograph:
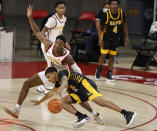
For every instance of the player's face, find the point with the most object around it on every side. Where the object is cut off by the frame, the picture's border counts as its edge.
(60, 9)
(52, 77)
(114, 5)
(59, 44)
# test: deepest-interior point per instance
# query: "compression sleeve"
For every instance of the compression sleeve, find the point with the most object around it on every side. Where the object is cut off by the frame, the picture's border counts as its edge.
(76, 68)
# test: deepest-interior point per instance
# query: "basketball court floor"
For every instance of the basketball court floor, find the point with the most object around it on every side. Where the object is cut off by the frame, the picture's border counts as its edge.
(133, 90)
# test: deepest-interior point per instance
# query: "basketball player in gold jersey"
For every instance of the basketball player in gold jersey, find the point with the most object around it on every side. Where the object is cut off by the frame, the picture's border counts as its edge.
(113, 24)
(81, 89)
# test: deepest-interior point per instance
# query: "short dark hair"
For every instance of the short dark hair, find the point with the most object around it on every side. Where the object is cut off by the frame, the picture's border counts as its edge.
(61, 37)
(60, 2)
(50, 70)
(106, 2)
(110, 1)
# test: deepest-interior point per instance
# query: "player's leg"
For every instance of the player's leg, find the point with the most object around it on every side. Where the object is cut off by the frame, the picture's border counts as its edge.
(67, 105)
(112, 52)
(97, 117)
(129, 116)
(35, 80)
(110, 68)
(97, 98)
(42, 89)
(104, 51)
(99, 68)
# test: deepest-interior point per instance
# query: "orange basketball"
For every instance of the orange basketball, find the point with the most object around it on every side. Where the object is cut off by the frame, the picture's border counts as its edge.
(55, 105)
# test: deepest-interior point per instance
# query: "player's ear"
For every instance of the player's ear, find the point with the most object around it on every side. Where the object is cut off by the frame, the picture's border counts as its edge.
(56, 74)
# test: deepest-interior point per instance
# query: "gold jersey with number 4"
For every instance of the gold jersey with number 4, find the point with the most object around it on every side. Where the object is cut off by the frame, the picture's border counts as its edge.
(112, 23)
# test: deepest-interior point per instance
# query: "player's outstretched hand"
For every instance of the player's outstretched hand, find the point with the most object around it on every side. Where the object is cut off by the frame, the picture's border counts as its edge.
(35, 102)
(29, 10)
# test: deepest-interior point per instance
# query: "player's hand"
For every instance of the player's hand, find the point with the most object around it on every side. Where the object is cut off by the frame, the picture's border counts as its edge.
(35, 102)
(67, 46)
(101, 44)
(29, 11)
(126, 41)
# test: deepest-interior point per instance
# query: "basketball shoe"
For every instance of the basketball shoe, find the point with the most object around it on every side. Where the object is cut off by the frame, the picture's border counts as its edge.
(98, 118)
(14, 112)
(98, 73)
(129, 116)
(81, 121)
(109, 77)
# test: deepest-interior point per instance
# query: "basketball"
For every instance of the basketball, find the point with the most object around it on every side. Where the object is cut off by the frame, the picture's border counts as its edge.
(55, 105)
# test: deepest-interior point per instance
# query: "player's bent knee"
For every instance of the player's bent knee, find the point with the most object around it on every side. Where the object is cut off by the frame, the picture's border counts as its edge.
(26, 84)
(66, 100)
(100, 101)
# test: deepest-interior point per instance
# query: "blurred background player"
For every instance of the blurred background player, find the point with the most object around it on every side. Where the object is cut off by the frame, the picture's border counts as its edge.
(98, 28)
(93, 37)
(113, 24)
(54, 27)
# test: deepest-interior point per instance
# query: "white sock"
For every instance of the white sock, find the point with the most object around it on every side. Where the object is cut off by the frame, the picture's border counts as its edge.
(94, 112)
(18, 107)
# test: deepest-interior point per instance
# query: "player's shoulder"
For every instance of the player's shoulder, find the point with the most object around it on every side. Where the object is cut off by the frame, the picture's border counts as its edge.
(66, 52)
(52, 18)
(62, 73)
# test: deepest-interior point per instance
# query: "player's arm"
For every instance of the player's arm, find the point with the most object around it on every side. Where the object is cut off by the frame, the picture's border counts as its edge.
(46, 97)
(70, 61)
(67, 45)
(125, 29)
(64, 84)
(98, 28)
(44, 30)
(98, 22)
(35, 28)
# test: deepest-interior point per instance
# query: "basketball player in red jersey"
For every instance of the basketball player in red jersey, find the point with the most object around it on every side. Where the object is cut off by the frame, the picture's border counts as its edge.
(53, 27)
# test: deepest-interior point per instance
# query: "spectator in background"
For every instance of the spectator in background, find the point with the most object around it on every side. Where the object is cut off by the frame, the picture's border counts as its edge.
(94, 34)
(110, 33)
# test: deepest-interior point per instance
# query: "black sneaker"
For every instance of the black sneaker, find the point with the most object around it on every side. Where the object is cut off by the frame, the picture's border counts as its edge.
(98, 73)
(81, 121)
(129, 116)
(109, 76)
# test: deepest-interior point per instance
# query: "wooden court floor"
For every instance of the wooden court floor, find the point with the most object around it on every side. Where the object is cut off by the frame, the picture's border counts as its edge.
(131, 96)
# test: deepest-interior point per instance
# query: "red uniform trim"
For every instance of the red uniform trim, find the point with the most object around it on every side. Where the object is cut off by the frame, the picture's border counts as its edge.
(59, 19)
(49, 47)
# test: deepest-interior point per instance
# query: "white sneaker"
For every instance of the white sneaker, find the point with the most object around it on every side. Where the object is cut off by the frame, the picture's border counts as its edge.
(42, 89)
(98, 118)
(13, 112)
(81, 121)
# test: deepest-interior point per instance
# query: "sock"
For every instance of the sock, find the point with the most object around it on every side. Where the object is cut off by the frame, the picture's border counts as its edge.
(109, 71)
(18, 107)
(78, 114)
(94, 112)
(123, 112)
(99, 67)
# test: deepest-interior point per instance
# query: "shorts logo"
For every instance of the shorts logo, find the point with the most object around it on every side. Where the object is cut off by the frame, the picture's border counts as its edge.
(89, 94)
(73, 88)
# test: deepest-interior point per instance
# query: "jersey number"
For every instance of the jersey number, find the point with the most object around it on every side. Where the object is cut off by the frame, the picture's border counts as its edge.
(115, 29)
